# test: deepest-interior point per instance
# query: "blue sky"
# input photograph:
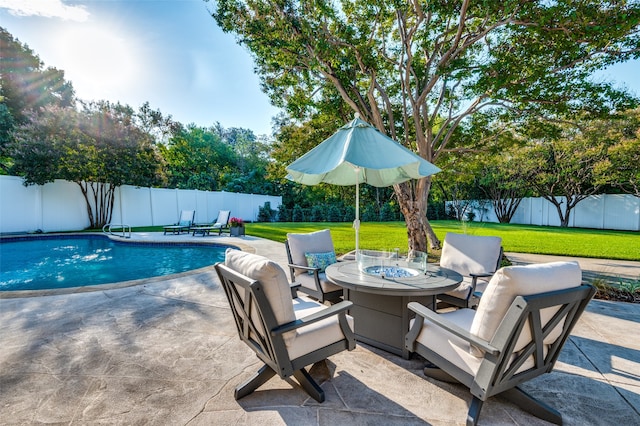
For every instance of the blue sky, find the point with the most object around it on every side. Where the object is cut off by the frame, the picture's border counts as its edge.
(168, 52)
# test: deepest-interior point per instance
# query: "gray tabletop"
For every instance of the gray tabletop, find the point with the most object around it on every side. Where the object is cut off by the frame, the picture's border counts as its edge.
(435, 280)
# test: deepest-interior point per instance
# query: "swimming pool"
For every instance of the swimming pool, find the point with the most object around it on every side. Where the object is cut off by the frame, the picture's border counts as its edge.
(74, 261)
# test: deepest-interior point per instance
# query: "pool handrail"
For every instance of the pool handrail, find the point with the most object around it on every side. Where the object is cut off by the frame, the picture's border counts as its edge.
(125, 229)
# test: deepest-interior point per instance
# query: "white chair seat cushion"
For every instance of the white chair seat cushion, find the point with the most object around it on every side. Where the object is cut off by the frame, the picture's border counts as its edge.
(309, 281)
(449, 346)
(512, 281)
(271, 276)
(462, 291)
(455, 349)
(314, 336)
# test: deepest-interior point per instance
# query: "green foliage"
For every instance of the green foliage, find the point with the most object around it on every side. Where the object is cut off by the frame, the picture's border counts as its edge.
(25, 86)
(334, 214)
(284, 214)
(197, 159)
(317, 213)
(298, 215)
(99, 148)
(266, 213)
(565, 167)
(620, 168)
(502, 180)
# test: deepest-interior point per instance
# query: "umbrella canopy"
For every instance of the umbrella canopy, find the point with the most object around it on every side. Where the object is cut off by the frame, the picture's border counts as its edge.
(359, 153)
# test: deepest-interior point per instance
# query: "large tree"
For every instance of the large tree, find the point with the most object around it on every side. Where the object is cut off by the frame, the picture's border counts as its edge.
(418, 69)
(198, 159)
(621, 167)
(98, 148)
(25, 88)
(563, 171)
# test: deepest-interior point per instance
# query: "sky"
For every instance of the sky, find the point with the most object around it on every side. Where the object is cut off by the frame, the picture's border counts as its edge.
(170, 53)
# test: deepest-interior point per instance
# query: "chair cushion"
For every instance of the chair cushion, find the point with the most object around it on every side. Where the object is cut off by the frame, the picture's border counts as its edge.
(309, 281)
(470, 254)
(314, 336)
(271, 276)
(514, 281)
(186, 216)
(462, 291)
(449, 346)
(314, 242)
(320, 260)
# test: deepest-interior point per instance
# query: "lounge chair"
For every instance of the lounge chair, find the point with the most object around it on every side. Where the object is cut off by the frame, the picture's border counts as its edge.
(522, 322)
(476, 258)
(184, 224)
(286, 334)
(317, 248)
(221, 223)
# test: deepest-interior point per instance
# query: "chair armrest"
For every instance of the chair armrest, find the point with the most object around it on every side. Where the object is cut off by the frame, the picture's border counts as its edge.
(294, 289)
(310, 319)
(306, 268)
(482, 275)
(474, 280)
(452, 328)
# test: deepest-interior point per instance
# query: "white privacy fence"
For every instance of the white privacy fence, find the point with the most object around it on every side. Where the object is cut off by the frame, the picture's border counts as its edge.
(60, 206)
(605, 211)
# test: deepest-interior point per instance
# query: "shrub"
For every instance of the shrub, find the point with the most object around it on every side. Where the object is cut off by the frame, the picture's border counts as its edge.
(265, 213)
(333, 214)
(284, 214)
(298, 214)
(317, 213)
(387, 213)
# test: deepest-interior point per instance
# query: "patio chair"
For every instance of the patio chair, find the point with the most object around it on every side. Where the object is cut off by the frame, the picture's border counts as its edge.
(286, 334)
(521, 324)
(184, 223)
(476, 259)
(317, 248)
(220, 224)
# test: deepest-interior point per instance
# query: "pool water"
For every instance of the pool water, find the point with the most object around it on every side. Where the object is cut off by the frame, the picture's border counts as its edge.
(51, 263)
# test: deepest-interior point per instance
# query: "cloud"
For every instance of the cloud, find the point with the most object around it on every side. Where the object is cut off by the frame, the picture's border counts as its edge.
(45, 8)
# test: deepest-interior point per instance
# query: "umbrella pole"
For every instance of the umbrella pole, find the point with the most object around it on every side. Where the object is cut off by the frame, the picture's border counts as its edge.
(356, 222)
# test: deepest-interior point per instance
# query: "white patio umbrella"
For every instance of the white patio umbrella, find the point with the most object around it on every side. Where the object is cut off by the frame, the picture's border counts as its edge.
(359, 153)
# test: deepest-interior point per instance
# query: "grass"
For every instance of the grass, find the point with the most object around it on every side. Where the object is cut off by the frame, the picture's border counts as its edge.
(577, 242)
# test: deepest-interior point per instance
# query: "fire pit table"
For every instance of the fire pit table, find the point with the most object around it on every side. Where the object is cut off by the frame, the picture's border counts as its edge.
(380, 295)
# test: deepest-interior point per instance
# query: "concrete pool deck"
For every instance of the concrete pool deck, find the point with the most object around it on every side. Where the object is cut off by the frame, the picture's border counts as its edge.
(166, 352)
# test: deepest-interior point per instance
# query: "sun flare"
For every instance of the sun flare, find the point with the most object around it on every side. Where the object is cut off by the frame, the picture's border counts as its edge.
(101, 62)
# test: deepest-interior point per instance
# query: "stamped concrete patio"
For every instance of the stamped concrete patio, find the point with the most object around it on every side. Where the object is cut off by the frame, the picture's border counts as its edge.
(166, 352)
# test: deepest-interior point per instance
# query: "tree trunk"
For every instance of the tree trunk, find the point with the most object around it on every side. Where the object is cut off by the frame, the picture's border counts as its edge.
(564, 216)
(83, 187)
(101, 210)
(412, 199)
(505, 208)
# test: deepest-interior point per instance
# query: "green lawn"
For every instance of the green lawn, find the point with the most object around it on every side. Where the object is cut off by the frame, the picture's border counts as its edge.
(515, 238)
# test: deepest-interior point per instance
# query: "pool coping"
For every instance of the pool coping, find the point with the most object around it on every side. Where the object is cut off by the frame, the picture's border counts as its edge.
(12, 294)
